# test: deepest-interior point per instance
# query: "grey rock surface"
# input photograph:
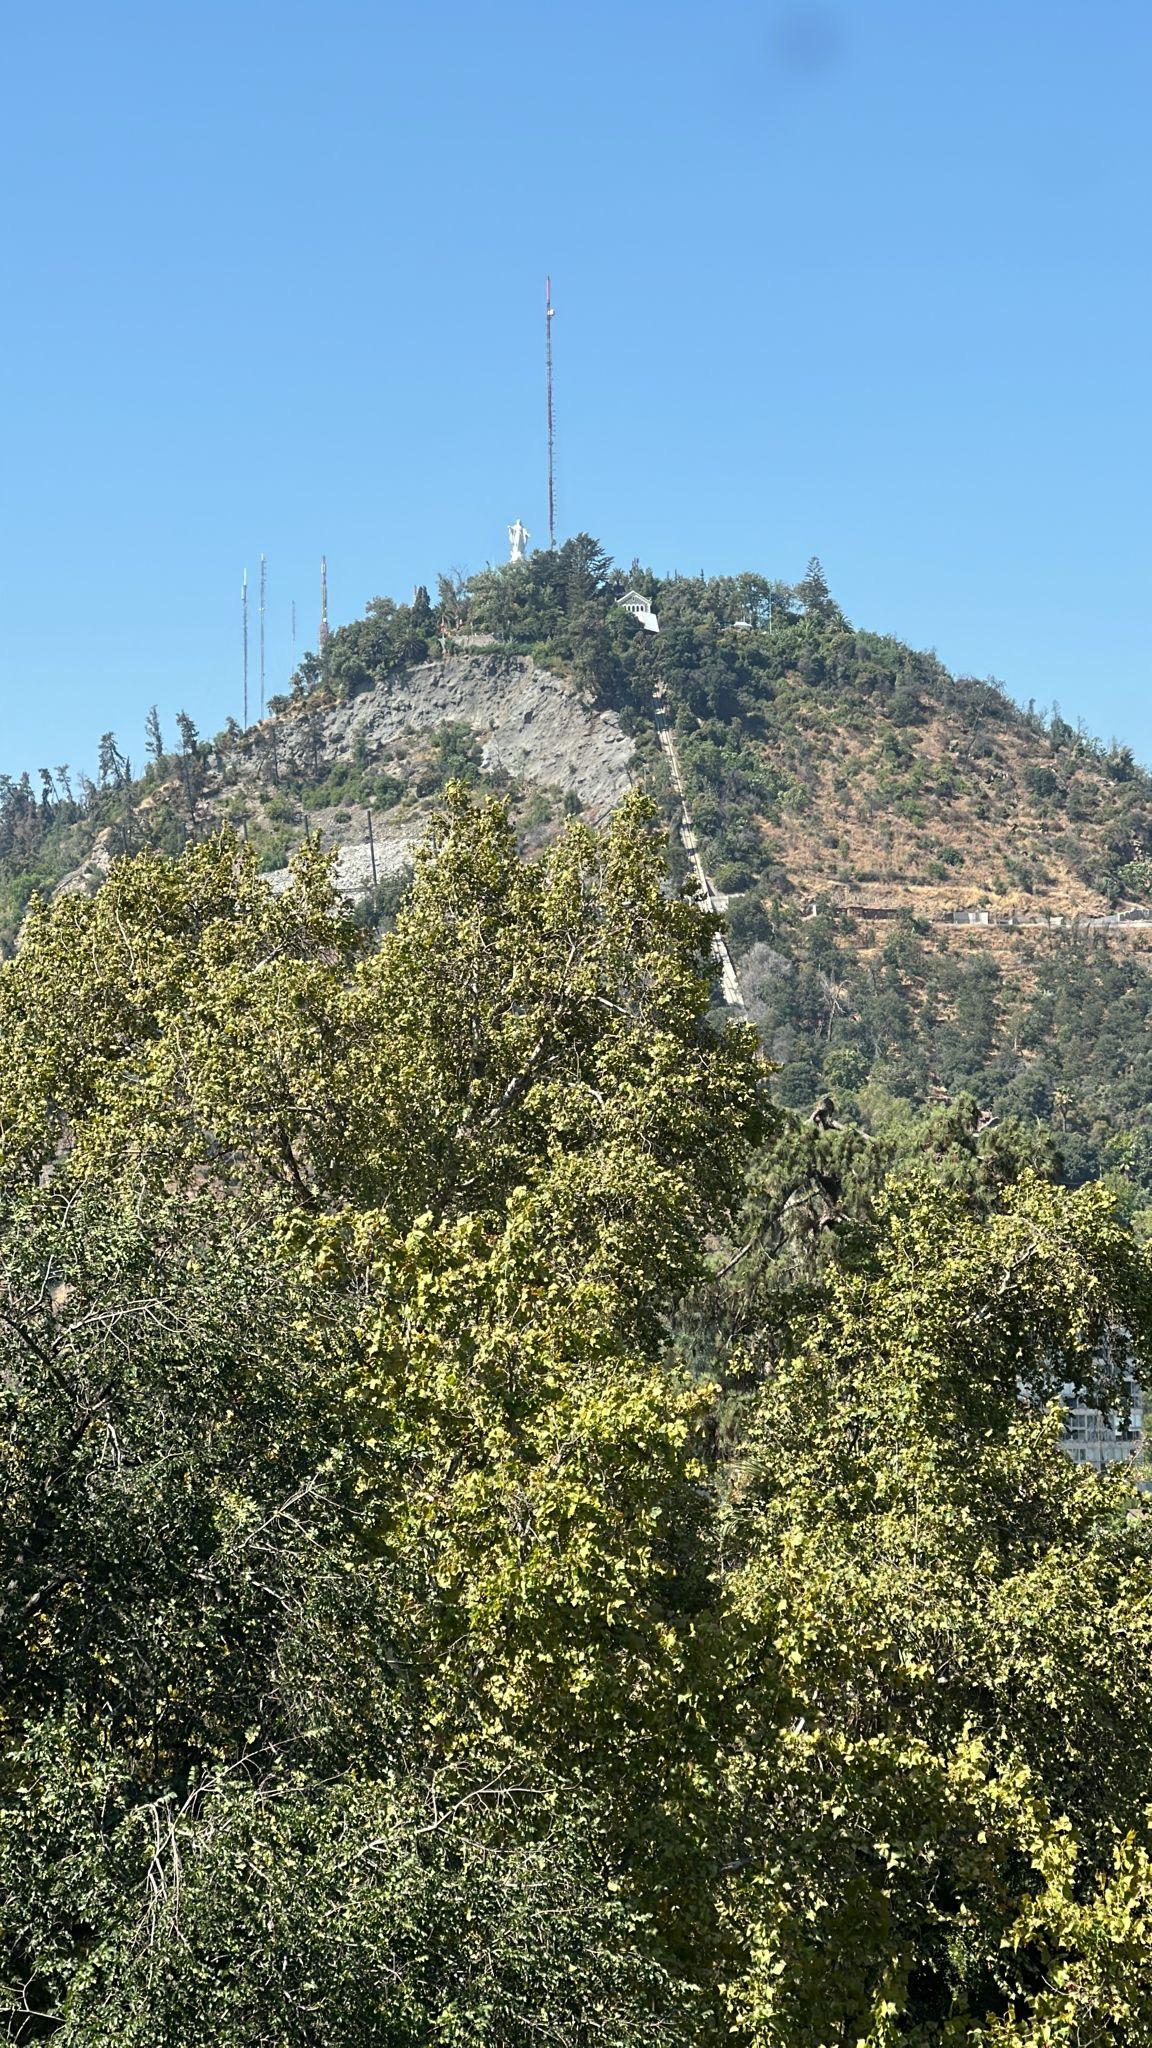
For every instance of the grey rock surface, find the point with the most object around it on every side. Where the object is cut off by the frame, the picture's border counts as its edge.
(88, 876)
(529, 722)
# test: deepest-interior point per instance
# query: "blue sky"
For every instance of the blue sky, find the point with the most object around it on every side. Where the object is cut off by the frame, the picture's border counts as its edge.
(869, 281)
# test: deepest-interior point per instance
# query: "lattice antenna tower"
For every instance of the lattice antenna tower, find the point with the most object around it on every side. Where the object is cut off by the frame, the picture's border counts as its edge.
(323, 604)
(263, 611)
(549, 316)
(244, 629)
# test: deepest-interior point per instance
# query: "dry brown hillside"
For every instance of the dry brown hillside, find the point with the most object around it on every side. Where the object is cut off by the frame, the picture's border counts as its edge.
(868, 784)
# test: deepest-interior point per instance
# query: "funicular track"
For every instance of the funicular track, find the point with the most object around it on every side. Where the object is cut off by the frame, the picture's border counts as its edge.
(729, 979)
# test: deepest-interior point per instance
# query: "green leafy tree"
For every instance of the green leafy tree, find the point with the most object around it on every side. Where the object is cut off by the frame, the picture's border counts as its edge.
(224, 1812)
(356, 1541)
(943, 1617)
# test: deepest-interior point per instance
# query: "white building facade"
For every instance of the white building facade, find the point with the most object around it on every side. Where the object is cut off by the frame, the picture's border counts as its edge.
(635, 602)
(1094, 1437)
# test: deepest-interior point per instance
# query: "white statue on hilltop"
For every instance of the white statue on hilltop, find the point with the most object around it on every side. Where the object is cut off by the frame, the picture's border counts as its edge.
(518, 538)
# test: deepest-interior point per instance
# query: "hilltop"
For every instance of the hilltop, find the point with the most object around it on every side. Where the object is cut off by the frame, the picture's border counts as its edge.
(850, 796)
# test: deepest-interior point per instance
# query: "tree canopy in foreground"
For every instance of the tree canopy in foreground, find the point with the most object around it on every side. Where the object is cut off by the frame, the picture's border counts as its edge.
(406, 1639)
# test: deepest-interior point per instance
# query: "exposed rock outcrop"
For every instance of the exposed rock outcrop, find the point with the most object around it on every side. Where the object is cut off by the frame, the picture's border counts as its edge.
(530, 722)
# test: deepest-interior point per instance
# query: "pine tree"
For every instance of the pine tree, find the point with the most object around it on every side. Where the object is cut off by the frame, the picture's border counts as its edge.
(813, 591)
(153, 737)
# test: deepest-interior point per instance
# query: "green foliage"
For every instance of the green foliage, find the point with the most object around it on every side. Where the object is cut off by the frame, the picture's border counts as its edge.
(377, 910)
(355, 1542)
(222, 1815)
(1063, 1047)
(1136, 876)
(343, 782)
(457, 758)
(505, 1538)
(944, 1706)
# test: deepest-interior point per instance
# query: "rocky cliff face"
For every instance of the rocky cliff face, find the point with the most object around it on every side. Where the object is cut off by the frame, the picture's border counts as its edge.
(530, 723)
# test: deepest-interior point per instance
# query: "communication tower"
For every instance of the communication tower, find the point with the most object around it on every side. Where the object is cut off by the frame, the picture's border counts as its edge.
(549, 316)
(263, 610)
(244, 617)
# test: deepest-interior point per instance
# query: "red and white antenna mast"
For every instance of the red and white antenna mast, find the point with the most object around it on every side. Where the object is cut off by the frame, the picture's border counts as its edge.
(549, 316)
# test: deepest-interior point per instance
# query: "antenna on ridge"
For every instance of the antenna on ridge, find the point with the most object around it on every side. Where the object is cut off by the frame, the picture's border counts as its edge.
(244, 612)
(323, 603)
(263, 608)
(549, 316)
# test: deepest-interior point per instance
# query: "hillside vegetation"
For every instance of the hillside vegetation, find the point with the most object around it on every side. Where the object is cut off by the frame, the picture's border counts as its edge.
(830, 772)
